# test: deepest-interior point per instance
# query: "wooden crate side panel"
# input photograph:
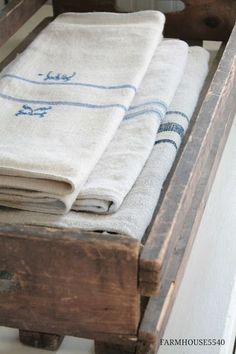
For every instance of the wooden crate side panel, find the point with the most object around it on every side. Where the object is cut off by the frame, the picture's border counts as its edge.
(175, 200)
(76, 286)
(221, 106)
(24, 44)
(205, 142)
(14, 15)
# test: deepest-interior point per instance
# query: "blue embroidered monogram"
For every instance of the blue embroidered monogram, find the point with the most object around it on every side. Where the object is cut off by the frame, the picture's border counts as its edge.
(29, 111)
(51, 76)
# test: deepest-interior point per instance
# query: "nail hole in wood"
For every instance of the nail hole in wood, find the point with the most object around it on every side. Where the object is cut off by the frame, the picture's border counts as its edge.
(212, 21)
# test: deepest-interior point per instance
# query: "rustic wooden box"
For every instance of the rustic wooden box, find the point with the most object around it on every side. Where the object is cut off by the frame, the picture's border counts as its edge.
(111, 288)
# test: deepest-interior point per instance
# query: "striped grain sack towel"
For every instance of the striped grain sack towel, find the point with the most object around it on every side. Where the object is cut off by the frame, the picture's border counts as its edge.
(136, 212)
(62, 101)
(124, 158)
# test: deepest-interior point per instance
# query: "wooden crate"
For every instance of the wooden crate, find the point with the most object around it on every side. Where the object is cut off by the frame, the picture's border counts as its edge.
(114, 289)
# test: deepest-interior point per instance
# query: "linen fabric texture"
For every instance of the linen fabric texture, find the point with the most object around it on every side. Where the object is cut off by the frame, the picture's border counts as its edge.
(123, 160)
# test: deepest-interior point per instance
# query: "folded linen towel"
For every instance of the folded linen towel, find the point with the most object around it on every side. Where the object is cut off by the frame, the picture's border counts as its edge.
(136, 212)
(124, 158)
(63, 99)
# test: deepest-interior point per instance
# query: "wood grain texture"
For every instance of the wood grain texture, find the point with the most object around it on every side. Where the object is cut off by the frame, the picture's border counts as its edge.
(202, 19)
(206, 144)
(24, 44)
(155, 319)
(70, 282)
(106, 348)
(40, 340)
(170, 212)
(14, 15)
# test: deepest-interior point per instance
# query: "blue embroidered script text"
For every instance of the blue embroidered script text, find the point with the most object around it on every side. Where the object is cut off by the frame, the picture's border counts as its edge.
(51, 76)
(29, 111)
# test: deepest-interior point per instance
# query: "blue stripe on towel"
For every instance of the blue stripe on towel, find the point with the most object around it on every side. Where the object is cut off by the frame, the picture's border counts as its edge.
(147, 111)
(169, 141)
(180, 114)
(63, 103)
(172, 127)
(159, 103)
(102, 87)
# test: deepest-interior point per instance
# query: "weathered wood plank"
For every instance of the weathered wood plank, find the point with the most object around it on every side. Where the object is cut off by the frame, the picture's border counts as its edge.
(149, 337)
(106, 348)
(177, 198)
(214, 122)
(71, 283)
(14, 15)
(155, 255)
(24, 44)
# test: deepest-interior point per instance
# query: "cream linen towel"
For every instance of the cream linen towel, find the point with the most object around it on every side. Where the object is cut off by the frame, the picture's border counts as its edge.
(63, 99)
(136, 212)
(124, 158)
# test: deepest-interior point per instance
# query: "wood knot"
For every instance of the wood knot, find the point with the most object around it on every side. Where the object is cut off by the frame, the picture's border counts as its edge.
(212, 21)
(6, 275)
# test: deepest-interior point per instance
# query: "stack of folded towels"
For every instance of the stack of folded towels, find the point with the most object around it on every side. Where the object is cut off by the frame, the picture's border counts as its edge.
(92, 116)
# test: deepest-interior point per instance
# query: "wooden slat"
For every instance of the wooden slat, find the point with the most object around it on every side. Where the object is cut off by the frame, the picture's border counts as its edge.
(69, 283)
(159, 307)
(14, 15)
(107, 348)
(206, 139)
(214, 122)
(157, 314)
(155, 255)
(24, 44)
